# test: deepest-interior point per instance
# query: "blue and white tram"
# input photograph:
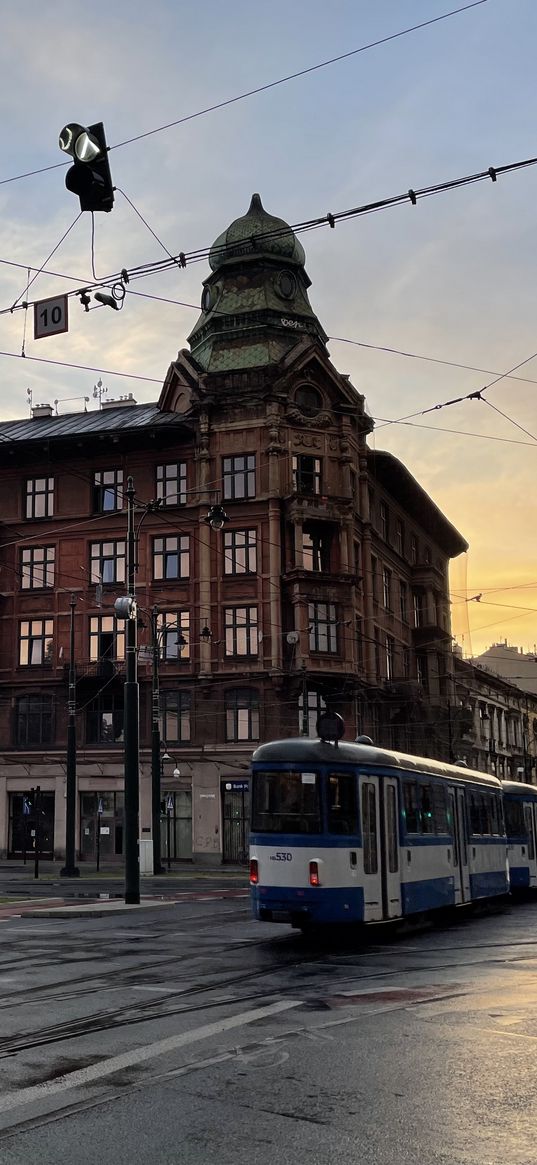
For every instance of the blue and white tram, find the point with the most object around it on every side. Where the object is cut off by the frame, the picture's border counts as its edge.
(354, 833)
(520, 809)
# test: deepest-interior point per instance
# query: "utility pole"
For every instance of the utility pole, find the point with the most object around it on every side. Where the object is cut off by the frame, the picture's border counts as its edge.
(132, 728)
(70, 869)
(158, 868)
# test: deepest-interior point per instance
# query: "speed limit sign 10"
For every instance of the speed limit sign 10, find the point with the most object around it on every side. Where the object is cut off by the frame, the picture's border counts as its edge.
(50, 317)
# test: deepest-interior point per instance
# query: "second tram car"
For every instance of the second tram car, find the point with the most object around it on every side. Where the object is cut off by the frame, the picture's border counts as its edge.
(353, 833)
(520, 809)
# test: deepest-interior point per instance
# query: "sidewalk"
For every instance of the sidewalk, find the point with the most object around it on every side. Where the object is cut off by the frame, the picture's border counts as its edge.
(17, 871)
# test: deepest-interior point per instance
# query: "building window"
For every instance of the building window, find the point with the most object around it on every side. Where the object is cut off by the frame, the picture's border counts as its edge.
(241, 630)
(37, 567)
(374, 578)
(104, 719)
(390, 657)
(107, 491)
(171, 557)
(406, 662)
(239, 476)
(107, 562)
(323, 627)
(316, 542)
(403, 601)
(308, 399)
(175, 710)
(422, 671)
(359, 629)
(34, 721)
(242, 714)
(428, 558)
(40, 497)
(417, 603)
(171, 483)
(399, 537)
(376, 649)
(35, 642)
(173, 631)
(240, 551)
(315, 704)
(384, 521)
(387, 588)
(413, 549)
(306, 474)
(107, 638)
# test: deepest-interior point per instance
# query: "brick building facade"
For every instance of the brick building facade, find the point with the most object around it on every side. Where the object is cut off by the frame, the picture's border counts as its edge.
(328, 585)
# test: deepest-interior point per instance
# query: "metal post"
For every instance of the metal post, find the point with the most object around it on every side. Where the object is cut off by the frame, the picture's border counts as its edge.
(131, 703)
(37, 813)
(305, 730)
(70, 869)
(158, 868)
(98, 841)
(168, 836)
(450, 735)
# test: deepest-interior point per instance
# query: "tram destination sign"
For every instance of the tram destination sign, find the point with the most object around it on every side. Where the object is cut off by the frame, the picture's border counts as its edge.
(50, 317)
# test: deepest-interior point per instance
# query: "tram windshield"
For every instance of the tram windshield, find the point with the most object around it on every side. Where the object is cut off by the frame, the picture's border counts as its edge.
(286, 803)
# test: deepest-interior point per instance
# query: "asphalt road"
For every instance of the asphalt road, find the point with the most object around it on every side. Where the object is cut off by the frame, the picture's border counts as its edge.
(188, 1033)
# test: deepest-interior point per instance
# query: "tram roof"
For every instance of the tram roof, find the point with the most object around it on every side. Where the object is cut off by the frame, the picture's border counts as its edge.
(520, 787)
(303, 750)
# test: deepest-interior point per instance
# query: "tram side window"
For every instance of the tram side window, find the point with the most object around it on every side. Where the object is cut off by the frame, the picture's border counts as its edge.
(410, 789)
(494, 814)
(427, 820)
(342, 803)
(286, 803)
(369, 828)
(514, 819)
(475, 813)
(529, 831)
(440, 809)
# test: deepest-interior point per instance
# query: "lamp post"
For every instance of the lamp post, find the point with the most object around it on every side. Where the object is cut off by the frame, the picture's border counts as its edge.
(132, 728)
(156, 762)
(70, 869)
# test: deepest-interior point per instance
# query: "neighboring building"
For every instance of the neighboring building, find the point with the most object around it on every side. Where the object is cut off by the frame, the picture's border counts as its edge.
(327, 587)
(493, 725)
(514, 664)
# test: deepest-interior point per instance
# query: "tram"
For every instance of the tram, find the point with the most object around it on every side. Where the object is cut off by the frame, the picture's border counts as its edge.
(350, 833)
(520, 809)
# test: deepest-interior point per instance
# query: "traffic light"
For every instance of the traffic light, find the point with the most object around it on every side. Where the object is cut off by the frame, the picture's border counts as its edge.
(90, 176)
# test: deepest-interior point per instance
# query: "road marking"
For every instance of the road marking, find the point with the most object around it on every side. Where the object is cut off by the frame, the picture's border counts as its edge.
(96, 1072)
(498, 1031)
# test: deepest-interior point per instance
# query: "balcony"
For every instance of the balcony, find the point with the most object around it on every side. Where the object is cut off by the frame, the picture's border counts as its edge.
(96, 670)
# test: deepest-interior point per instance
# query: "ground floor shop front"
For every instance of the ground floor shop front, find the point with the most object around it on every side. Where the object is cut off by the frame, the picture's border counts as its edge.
(204, 816)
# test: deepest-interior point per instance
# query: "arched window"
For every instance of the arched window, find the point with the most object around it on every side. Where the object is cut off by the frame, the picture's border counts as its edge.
(315, 705)
(242, 714)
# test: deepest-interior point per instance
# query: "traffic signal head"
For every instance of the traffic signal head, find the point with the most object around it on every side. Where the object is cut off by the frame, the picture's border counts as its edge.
(90, 176)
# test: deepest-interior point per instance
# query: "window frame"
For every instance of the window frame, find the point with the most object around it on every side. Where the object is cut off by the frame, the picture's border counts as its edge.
(116, 557)
(239, 480)
(233, 551)
(316, 624)
(163, 479)
(44, 708)
(102, 487)
(237, 700)
(31, 494)
(173, 623)
(306, 476)
(232, 627)
(29, 569)
(45, 637)
(180, 716)
(165, 554)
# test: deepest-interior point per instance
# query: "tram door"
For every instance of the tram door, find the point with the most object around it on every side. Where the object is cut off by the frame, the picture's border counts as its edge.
(529, 822)
(461, 873)
(380, 848)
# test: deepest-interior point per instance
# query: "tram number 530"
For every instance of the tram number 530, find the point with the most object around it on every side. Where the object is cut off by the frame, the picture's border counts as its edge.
(281, 856)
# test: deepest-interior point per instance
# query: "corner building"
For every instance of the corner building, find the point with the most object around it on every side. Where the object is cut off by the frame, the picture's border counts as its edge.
(327, 587)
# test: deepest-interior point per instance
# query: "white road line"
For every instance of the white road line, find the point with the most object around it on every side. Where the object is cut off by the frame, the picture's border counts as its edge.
(96, 1072)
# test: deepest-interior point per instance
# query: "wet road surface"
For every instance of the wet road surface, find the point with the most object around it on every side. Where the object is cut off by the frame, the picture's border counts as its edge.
(190, 1033)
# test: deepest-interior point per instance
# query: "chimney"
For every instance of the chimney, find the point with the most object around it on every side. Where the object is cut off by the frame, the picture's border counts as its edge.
(121, 402)
(42, 411)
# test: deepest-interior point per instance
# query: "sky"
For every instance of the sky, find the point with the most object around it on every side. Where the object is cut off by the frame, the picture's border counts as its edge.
(448, 280)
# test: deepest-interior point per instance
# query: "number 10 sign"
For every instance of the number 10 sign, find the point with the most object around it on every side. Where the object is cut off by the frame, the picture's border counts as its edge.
(50, 317)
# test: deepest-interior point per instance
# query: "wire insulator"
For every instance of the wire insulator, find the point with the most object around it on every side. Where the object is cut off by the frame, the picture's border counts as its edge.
(412, 196)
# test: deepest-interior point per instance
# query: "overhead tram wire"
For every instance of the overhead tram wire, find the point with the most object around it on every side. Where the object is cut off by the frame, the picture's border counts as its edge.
(263, 88)
(411, 197)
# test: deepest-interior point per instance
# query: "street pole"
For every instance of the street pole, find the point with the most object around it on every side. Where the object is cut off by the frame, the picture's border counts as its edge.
(70, 869)
(158, 868)
(131, 704)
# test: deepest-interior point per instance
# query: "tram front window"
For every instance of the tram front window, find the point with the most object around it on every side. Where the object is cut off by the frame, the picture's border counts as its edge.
(286, 803)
